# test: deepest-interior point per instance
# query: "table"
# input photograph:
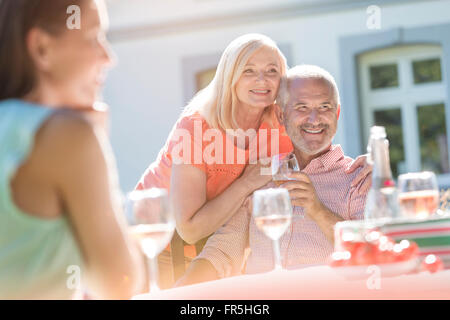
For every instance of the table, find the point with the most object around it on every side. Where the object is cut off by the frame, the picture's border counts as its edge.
(316, 283)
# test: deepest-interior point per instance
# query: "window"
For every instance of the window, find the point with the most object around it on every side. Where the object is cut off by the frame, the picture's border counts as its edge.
(383, 76)
(391, 119)
(433, 138)
(402, 88)
(427, 71)
(203, 78)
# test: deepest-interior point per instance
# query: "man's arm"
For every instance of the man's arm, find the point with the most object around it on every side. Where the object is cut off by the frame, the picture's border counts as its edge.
(200, 270)
(223, 253)
(303, 194)
(325, 219)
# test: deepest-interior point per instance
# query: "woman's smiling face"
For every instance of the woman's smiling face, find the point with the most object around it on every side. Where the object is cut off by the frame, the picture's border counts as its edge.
(80, 58)
(258, 85)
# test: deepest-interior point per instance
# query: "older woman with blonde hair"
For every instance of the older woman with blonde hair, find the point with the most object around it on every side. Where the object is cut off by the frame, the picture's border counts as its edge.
(240, 96)
(207, 187)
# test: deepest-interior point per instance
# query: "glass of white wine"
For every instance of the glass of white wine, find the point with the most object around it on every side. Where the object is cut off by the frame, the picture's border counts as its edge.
(152, 224)
(272, 211)
(418, 194)
(282, 165)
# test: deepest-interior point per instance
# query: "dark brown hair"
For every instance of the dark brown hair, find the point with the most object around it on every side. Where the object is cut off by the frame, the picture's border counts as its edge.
(17, 17)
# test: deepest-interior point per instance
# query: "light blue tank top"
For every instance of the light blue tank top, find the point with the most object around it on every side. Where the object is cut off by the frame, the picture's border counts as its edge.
(39, 258)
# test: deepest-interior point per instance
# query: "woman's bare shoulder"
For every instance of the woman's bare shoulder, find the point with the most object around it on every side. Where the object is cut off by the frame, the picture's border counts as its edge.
(67, 121)
(65, 134)
(190, 120)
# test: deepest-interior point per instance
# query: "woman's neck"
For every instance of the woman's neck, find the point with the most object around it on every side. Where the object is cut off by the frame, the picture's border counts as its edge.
(44, 96)
(248, 117)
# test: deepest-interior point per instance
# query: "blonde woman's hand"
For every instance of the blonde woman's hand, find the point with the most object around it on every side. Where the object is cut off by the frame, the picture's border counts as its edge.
(256, 175)
(364, 176)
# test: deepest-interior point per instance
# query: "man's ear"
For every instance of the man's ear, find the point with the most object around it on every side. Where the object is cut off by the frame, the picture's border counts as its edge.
(38, 45)
(279, 113)
(338, 111)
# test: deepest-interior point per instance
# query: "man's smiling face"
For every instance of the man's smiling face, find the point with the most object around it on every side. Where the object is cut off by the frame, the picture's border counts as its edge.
(311, 114)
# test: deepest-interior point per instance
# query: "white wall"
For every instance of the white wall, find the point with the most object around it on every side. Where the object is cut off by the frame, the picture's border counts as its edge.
(145, 90)
(146, 12)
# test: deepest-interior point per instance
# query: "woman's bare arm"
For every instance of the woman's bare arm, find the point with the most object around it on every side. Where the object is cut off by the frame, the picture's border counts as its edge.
(198, 218)
(89, 194)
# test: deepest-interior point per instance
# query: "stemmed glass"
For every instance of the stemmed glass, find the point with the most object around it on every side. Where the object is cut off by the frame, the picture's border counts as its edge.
(152, 224)
(282, 165)
(418, 194)
(272, 211)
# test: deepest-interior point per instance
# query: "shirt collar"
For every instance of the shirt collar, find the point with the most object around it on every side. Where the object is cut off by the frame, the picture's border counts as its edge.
(326, 160)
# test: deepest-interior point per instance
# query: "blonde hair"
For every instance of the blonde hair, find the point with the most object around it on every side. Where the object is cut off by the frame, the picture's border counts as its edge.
(217, 102)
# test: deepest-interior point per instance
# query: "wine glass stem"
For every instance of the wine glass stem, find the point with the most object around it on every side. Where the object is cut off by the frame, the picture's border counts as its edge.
(277, 255)
(153, 272)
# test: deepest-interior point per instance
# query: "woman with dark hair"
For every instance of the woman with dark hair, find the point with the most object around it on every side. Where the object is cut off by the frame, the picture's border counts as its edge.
(60, 211)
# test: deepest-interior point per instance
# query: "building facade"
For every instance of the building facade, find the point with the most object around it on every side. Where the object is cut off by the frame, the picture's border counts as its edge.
(391, 60)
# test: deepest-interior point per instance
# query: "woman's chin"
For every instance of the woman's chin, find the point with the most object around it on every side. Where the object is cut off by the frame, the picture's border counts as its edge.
(88, 100)
(262, 106)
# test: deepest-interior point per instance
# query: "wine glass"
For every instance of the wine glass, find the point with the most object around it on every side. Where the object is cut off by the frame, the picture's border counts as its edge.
(418, 194)
(152, 224)
(272, 211)
(282, 165)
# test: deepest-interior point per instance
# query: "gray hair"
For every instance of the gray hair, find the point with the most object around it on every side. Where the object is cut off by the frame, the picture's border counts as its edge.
(304, 71)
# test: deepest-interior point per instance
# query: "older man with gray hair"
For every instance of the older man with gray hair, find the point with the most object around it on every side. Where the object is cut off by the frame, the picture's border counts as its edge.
(322, 193)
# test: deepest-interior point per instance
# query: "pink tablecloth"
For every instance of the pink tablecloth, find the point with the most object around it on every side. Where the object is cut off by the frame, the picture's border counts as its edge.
(319, 282)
